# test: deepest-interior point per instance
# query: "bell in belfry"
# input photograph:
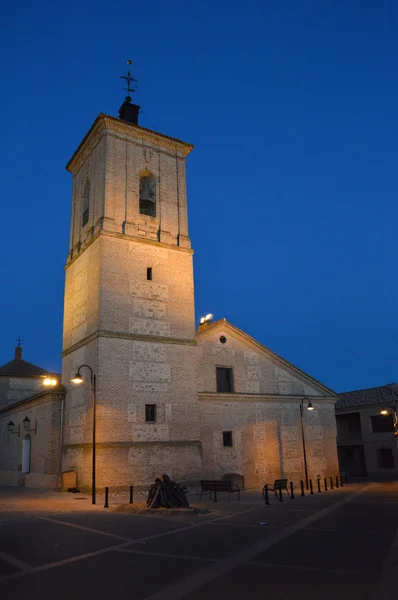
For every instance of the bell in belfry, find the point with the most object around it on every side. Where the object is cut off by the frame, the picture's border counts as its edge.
(148, 195)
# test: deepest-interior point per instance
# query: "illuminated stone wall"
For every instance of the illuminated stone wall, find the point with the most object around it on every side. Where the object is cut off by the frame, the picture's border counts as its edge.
(137, 334)
(264, 418)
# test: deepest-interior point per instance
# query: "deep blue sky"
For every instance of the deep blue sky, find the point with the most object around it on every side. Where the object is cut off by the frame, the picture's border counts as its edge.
(292, 185)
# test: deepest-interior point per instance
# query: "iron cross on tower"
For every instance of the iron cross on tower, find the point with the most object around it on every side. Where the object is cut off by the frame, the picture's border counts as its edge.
(130, 80)
(19, 341)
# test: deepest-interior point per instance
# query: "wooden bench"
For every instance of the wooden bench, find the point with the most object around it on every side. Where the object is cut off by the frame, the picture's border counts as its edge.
(279, 484)
(208, 485)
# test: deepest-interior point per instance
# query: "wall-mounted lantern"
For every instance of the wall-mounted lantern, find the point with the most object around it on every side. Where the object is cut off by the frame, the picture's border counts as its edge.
(12, 428)
(26, 423)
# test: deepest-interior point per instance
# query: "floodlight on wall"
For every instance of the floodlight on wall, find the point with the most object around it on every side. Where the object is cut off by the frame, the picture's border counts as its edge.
(12, 428)
(26, 423)
(384, 411)
(50, 381)
(206, 319)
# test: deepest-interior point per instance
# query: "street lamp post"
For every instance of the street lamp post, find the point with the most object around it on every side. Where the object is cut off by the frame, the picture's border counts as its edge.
(78, 379)
(309, 407)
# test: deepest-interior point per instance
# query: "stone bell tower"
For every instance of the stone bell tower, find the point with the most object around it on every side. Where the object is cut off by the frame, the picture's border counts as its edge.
(129, 307)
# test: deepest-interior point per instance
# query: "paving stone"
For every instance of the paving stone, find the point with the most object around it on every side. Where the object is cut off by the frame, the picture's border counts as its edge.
(210, 541)
(105, 576)
(272, 583)
(37, 542)
(333, 550)
(130, 526)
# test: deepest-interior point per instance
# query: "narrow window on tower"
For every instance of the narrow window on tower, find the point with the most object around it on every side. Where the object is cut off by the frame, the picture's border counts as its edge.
(227, 438)
(224, 380)
(148, 194)
(150, 413)
(86, 203)
(149, 273)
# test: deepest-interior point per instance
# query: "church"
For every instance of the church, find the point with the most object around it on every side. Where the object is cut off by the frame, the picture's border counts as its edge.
(195, 404)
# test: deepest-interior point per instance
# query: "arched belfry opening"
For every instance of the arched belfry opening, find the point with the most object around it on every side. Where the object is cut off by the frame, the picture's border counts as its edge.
(148, 194)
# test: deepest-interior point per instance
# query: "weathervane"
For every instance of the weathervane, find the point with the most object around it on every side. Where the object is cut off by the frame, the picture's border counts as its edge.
(19, 341)
(130, 79)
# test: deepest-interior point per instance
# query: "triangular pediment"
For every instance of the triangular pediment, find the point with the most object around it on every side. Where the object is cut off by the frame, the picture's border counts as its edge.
(263, 371)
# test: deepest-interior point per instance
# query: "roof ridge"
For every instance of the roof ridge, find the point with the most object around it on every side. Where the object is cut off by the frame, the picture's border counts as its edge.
(376, 387)
(22, 368)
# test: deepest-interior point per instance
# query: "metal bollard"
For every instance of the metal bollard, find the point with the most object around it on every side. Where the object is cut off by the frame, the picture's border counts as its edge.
(331, 483)
(302, 487)
(266, 494)
(291, 491)
(311, 490)
(325, 482)
(337, 481)
(106, 505)
(280, 494)
(319, 485)
(341, 481)
(131, 495)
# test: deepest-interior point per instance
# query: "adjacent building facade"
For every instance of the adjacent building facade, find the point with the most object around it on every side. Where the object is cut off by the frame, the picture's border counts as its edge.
(30, 425)
(365, 437)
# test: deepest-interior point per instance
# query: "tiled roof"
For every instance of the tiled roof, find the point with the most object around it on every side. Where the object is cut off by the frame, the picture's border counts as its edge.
(21, 368)
(384, 394)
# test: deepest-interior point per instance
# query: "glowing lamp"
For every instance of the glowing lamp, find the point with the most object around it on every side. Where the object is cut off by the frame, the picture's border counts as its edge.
(310, 407)
(206, 319)
(77, 378)
(384, 411)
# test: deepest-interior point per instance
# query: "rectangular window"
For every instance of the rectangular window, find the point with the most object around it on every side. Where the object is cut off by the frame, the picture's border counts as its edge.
(150, 413)
(354, 422)
(385, 459)
(227, 438)
(224, 379)
(149, 273)
(382, 423)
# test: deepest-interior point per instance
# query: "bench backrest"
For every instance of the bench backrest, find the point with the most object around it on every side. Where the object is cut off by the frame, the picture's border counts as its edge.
(280, 483)
(221, 486)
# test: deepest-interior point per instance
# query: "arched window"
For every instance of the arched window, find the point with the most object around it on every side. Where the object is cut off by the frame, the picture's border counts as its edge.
(148, 194)
(86, 203)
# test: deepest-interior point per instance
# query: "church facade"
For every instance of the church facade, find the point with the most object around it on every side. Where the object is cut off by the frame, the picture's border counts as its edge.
(193, 404)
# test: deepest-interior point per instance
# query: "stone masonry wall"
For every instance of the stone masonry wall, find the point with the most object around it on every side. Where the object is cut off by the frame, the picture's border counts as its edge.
(163, 307)
(136, 334)
(13, 389)
(81, 298)
(263, 413)
(253, 372)
(113, 159)
(45, 442)
(130, 374)
(267, 443)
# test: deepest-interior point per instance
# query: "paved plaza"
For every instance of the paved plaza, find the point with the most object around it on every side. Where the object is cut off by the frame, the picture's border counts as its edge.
(337, 544)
